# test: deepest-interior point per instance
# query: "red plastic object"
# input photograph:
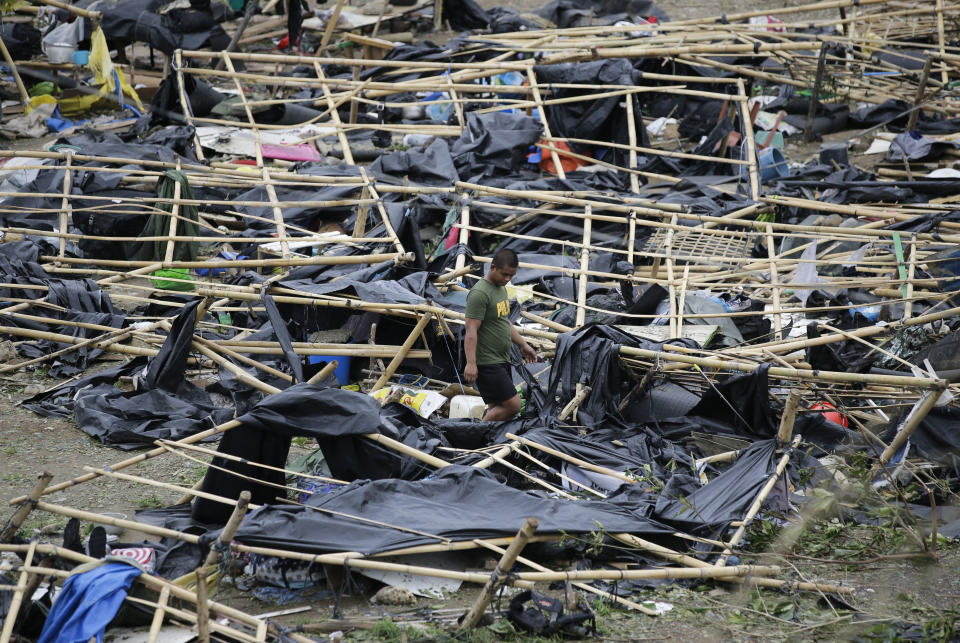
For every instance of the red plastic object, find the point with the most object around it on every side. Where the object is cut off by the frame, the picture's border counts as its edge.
(829, 411)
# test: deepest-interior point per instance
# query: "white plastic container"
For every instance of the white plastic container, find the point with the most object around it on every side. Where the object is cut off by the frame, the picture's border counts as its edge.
(464, 406)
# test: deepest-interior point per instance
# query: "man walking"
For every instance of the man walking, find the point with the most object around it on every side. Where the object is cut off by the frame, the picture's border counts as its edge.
(488, 337)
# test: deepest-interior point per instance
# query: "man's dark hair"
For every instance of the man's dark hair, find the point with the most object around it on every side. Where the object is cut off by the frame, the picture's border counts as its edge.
(505, 258)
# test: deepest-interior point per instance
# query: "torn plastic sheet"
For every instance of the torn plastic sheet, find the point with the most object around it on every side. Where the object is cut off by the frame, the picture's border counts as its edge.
(456, 503)
(567, 13)
(75, 300)
(141, 21)
(337, 419)
(590, 356)
(165, 406)
(710, 508)
(494, 144)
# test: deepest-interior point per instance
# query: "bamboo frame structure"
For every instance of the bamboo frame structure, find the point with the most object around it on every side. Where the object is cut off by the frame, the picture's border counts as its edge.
(691, 252)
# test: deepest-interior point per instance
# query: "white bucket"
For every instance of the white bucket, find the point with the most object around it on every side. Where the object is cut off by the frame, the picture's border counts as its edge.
(60, 53)
(464, 406)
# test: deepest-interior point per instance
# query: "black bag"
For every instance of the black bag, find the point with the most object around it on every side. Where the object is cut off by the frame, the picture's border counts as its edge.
(545, 616)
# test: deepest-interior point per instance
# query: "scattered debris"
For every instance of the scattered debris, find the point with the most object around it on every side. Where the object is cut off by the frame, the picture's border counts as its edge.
(734, 302)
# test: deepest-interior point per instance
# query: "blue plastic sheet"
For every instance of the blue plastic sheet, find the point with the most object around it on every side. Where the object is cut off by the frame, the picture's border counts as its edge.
(88, 602)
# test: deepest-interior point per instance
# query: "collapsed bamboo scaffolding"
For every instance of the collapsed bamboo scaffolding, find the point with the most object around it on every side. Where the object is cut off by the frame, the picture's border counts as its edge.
(684, 250)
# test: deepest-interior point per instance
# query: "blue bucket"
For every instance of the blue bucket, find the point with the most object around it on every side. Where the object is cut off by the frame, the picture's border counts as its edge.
(81, 57)
(772, 164)
(342, 371)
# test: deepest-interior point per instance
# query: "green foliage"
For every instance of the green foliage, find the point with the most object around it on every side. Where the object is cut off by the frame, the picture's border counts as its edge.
(387, 631)
(149, 502)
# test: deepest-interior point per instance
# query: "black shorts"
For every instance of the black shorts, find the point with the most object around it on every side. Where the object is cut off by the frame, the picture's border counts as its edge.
(495, 383)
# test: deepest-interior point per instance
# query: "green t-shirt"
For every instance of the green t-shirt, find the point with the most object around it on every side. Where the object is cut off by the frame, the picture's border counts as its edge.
(490, 305)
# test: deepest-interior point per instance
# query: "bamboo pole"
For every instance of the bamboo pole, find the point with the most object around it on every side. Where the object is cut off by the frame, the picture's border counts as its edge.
(14, 607)
(499, 574)
(402, 353)
(584, 266)
(944, 78)
(462, 238)
(334, 114)
(921, 90)
(575, 402)
(172, 231)
(785, 431)
(203, 608)
(750, 142)
(582, 586)
(65, 201)
(910, 423)
(324, 372)
(690, 561)
(226, 535)
(330, 26)
(571, 459)
(541, 114)
(158, 615)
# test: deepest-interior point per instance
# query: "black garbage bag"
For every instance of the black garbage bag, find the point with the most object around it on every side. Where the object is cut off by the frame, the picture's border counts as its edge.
(21, 40)
(546, 616)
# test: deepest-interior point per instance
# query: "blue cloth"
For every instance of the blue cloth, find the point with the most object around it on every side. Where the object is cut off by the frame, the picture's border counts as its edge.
(88, 602)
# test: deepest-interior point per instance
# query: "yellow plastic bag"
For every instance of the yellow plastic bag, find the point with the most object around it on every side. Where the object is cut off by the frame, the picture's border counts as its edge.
(103, 70)
(37, 101)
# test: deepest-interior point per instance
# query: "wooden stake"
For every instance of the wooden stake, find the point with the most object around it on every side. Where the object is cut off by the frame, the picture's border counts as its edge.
(28, 504)
(499, 574)
(815, 97)
(584, 266)
(785, 432)
(226, 535)
(910, 423)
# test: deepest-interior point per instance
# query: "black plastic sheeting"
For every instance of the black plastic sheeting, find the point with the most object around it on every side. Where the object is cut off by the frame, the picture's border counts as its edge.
(183, 28)
(457, 503)
(725, 498)
(337, 419)
(164, 406)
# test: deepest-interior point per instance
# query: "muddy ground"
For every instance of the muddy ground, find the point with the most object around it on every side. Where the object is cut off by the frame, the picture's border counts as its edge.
(896, 597)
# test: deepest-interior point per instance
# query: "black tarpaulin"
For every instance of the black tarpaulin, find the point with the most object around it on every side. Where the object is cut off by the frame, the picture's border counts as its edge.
(590, 356)
(493, 144)
(742, 402)
(165, 406)
(458, 503)
(710, 508)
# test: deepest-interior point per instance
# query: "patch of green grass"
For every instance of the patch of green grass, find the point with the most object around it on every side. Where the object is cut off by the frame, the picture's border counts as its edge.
(149, 502)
